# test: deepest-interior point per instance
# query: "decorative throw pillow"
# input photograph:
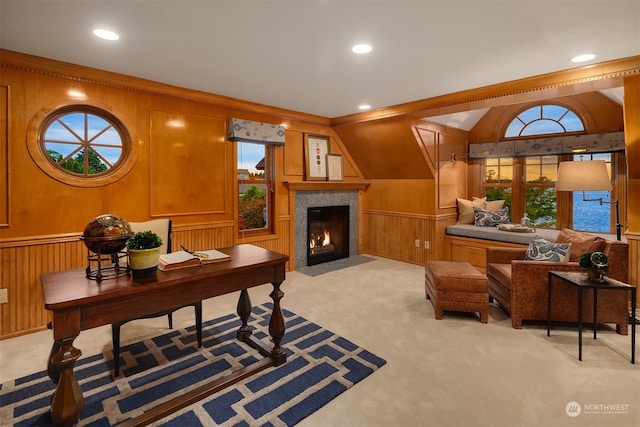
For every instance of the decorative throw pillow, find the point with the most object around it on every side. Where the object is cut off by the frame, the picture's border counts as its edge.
(465, 209)
(494, 205)
(485, 218)
(542, 250)
(580, 242)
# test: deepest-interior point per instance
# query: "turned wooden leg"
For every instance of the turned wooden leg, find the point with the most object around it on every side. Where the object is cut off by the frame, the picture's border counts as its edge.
(67, 403)
(244, 311)
(276, 326)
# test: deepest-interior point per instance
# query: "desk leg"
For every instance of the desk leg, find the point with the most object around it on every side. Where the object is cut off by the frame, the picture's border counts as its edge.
(67, 403)
(276, 326)
(244, 311)
(580, 323)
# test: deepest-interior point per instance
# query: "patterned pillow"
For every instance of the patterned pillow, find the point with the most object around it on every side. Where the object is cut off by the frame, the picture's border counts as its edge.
(485, 218)
(542, 250)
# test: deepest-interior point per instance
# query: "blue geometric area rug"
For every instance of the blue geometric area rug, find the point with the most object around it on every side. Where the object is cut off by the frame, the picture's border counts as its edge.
(320, 365)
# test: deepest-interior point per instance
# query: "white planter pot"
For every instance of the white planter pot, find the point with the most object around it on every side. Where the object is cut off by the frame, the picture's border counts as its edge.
(144, 262)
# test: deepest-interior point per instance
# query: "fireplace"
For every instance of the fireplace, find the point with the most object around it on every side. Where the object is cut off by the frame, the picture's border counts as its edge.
(327, 233)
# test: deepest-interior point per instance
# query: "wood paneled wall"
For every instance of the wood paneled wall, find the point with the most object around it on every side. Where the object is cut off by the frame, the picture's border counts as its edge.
(413, 183)
(185, 172)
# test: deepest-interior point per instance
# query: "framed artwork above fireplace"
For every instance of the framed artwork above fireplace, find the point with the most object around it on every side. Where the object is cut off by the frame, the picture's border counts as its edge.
(316, 149)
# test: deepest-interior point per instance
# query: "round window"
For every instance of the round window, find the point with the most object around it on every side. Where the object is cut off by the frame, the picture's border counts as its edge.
(84, 146)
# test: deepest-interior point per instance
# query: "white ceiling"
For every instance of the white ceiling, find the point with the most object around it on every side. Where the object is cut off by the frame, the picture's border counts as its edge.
(297, 54)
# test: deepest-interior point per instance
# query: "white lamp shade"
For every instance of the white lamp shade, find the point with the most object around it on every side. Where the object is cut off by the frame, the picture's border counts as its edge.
(590, 175)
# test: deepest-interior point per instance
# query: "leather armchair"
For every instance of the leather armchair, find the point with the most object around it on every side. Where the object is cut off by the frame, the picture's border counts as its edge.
(520, 287)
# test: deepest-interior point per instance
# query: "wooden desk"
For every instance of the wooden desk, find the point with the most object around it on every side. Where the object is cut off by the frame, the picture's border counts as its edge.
(78, 303)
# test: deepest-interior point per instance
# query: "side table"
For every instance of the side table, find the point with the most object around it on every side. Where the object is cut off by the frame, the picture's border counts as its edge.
(581, 281)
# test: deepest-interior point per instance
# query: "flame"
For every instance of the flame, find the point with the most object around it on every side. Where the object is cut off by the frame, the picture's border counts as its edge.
(320, 240)
(327, 239)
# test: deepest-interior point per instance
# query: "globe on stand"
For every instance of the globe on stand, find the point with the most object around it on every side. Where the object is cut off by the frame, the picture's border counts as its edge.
(105, 238)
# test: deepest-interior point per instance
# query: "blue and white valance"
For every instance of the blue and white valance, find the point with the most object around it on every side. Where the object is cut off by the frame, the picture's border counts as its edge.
(247, 130)
(597, 143)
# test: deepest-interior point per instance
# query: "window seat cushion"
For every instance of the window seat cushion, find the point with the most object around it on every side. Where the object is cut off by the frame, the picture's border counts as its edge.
(492, 233)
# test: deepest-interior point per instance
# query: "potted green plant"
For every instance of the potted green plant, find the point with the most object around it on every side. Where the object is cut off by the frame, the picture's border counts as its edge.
(596, 264)
(144, 253)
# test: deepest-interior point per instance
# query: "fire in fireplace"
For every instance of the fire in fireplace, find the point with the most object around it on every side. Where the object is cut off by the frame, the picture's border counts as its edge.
(327, 233)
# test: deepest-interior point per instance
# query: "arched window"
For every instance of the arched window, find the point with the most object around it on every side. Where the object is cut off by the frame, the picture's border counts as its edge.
(544, 120)
(527, 183)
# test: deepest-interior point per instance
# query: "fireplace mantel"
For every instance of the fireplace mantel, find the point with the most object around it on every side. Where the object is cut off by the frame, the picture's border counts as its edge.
(325, 185)
(305, 194)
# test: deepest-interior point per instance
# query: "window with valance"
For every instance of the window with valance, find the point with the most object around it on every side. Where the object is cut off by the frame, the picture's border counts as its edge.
(255, 142)
(522, 168)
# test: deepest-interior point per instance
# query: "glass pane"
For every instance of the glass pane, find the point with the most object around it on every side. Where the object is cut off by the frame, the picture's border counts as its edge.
(500, 193)
(252, 207)
(61, 149)
(108, 155)
(96, 165)
(541, 127)
(74, 121)
(571, 122)
(590, 215)
(506, 174)
(541, 170)
(57, 132)
(540, 205)
(253, 189)
(532, 173)
(95, 126)
(514, 129)
(550, 172)
(109, 137)
(251, 162)
(491, 174)
(530, 115)
(553, 112)
(499, 170)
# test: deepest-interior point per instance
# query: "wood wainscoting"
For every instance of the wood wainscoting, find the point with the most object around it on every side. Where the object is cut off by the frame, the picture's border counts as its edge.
(23, 261)
(394, 234)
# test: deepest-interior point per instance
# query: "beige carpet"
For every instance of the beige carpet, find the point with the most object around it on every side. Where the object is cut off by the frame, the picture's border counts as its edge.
(450, 372)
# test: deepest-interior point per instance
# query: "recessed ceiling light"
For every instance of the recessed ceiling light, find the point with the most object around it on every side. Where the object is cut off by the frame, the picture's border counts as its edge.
(362, 48)
(105, 34)
(364, 106)
(583, 58)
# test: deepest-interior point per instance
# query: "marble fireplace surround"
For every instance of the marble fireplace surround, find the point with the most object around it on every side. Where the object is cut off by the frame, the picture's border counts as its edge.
(311, 194)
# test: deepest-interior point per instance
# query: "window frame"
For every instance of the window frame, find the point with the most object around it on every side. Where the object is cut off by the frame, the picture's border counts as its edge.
(36, 146)
(268, 181)
(519, 184)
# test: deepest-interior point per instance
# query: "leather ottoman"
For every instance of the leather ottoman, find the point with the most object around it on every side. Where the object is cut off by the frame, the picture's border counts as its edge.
(456, 286)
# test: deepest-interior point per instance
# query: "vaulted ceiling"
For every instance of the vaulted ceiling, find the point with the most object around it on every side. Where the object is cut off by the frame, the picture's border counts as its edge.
(297, 54)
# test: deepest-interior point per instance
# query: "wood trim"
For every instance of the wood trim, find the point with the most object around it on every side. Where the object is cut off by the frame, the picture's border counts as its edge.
(4, 155)
(326, 186)
(603, 75)
(473, 251)
(429, 217)
(63, 70)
